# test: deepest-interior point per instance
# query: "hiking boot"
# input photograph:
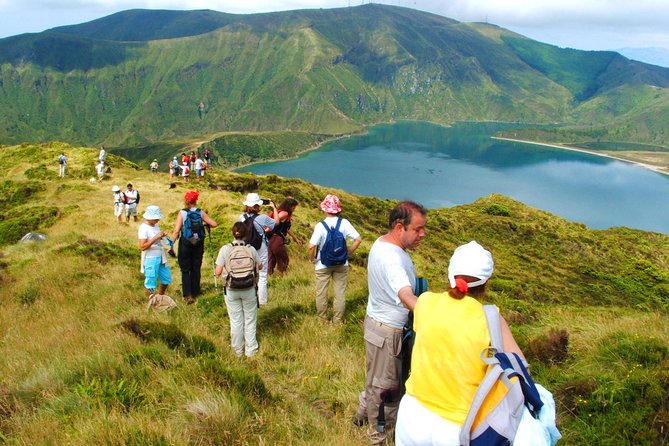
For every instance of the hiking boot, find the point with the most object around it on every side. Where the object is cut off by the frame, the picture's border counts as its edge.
(189, 300)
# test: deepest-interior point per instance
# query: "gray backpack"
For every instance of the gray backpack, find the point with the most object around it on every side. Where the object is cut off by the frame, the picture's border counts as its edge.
(507, 388)
(240, 265)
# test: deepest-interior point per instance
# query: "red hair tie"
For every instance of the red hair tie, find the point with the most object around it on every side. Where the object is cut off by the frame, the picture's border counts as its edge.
(461, 285)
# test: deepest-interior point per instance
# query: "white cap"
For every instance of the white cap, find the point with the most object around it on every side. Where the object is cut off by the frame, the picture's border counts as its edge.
(115, 188)
(252, 199)
(471, 260)
(152, 213)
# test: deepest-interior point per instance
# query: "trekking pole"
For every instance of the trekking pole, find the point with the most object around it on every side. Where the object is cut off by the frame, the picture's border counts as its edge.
(213, 262)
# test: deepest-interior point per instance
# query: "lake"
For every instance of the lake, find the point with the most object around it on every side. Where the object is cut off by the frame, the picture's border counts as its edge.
(446, 166)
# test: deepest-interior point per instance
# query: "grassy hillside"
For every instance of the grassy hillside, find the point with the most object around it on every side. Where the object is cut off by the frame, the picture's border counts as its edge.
(189, 75)
(86, 364)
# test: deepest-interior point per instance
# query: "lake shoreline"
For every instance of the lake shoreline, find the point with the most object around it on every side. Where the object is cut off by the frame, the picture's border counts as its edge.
(654, 168)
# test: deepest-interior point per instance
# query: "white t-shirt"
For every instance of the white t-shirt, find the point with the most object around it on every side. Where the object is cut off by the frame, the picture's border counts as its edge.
(320, 234)
(147, 232)
(198, 164)
(389, 269)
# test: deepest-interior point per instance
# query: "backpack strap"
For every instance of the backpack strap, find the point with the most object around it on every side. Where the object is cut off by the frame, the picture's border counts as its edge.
(494, 327)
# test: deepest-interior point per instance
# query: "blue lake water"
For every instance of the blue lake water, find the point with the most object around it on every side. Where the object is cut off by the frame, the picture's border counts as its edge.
(442, 167)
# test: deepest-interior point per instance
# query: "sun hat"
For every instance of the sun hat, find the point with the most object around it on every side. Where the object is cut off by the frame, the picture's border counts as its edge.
(330, 204)
(152, 213)
(252, 199)
(470, 260)
(191, 196)
(115, 188)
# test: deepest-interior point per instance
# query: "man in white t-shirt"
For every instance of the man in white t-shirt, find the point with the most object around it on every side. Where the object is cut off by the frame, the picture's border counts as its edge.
(337, 274)
(391, 278)
(131, 203)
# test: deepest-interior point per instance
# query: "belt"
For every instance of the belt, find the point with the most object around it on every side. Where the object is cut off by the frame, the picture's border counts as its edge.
(385, 326)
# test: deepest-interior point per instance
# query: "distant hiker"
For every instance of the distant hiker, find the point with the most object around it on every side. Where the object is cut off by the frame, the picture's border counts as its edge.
(259, 226)
(446, 364)
(185, 158)
(131, 202)
(177, 168)
(204, 169)
(62, 165)
(154, 167)
(119, 203)
(239, 265)
(154, 259)
(198, 167)
(185, 172)
(102, 155)
(206, 155)
(191, 160)
(278, 254)
(100, 169)
(172, 166)
(332, 232)
(190, 229)
(390, 279)
(200, 109)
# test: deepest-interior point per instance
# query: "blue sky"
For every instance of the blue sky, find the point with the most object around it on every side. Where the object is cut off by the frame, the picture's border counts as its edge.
(582, 24)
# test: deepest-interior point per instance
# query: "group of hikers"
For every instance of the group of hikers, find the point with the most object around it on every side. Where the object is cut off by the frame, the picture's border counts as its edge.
(457, 339)
(100, 166)
(192, 163)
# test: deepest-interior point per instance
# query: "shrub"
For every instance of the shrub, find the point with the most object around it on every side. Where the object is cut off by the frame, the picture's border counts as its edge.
(497, 209)
(171, 335)
(122, 394)
(550, 348)
(28, 296)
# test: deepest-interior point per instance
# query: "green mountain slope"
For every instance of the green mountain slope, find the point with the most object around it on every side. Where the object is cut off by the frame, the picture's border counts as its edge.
(83, 357)
(191, 74)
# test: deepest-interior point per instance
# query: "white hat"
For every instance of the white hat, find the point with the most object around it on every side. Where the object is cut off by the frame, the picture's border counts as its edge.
(471, 260)
(152, 213)
(115, 188)
(252, 199)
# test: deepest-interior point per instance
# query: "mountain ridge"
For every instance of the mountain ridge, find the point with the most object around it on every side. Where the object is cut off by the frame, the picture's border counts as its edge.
(321, 71)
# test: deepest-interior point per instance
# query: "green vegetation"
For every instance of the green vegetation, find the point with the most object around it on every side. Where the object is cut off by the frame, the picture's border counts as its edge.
(143, 81)
(86, 364)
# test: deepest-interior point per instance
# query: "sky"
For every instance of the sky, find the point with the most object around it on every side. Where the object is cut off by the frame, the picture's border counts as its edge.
(581, 24)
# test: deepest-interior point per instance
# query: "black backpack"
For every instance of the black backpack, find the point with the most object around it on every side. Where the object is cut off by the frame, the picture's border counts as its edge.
(253, 237)
(193, 227)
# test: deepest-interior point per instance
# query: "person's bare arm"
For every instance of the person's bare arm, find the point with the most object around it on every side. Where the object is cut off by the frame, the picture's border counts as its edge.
(407, 297)
(510, 344)
(312, 253)
(145, 244)
(177, 226)
(354, 245)
(208, 220)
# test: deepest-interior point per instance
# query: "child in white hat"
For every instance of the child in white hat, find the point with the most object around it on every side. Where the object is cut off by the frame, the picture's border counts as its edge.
(154, 259)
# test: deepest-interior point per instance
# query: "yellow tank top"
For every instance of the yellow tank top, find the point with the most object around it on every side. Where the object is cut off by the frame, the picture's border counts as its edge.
(446, 367)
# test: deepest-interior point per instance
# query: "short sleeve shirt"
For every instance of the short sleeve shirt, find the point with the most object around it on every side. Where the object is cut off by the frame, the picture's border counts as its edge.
(147, 232)
(320, 234)
(389, 269)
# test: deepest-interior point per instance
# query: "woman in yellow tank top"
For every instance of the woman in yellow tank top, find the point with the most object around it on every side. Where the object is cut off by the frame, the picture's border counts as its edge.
(446, 369)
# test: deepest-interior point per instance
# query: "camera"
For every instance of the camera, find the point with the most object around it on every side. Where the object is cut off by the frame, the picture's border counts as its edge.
(265, 201)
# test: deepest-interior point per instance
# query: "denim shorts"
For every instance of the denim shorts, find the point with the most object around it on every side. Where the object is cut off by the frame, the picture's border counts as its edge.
(154, 269)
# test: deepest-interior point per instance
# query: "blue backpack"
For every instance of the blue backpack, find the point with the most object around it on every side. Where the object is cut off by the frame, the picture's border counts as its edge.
(334, 250)
(193, 227)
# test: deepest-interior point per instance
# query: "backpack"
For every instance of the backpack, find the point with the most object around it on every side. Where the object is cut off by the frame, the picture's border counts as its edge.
(506, 390)
(193, 226)
(253, 237)
(240, 264)
(61, 159)
(334, 250)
